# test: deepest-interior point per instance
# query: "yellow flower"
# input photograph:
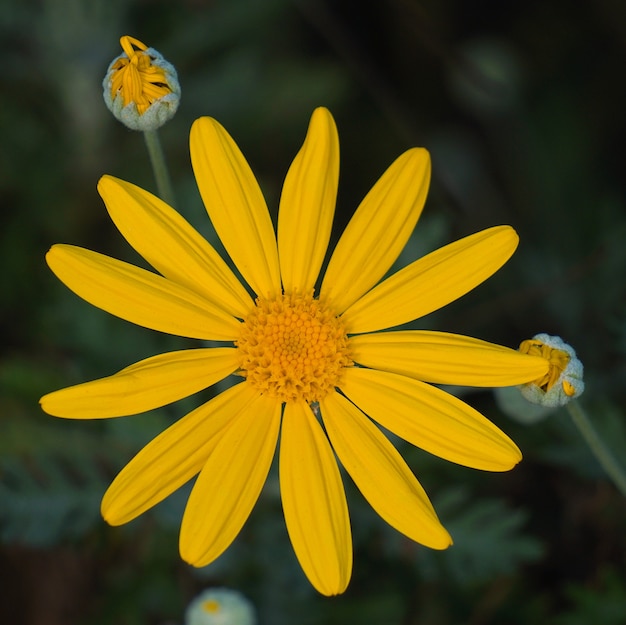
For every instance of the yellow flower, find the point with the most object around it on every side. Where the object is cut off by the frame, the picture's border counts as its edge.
(140, 87)
(312, 363)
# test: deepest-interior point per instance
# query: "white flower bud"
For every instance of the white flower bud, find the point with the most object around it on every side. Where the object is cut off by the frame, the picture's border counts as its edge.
(141, 88)
(564, 380)
(220, 606)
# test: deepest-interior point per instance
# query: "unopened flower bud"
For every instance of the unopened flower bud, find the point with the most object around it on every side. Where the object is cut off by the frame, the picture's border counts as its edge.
(564, 379)
(141, 88)
(220, 606)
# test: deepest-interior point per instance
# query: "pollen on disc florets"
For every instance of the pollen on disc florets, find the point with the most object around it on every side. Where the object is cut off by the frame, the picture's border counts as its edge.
(293, 347)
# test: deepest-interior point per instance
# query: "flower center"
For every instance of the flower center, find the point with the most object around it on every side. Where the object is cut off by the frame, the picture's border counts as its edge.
(135, 78)
(293, 347)
(557, 360)
(211, 606)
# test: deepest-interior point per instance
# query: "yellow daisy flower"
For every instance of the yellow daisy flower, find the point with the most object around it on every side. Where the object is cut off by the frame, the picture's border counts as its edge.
(314, 367)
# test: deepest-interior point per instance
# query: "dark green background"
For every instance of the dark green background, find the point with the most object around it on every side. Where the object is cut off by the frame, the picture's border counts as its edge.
(522, 107)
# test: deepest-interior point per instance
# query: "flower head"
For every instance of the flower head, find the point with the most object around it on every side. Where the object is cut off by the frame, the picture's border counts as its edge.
(220, 606)
(311, 363)
(141, 88)
(564, 378)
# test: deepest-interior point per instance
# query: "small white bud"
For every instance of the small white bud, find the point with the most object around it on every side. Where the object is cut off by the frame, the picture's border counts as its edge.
(141, 88)
(564, 380)
(220, 606)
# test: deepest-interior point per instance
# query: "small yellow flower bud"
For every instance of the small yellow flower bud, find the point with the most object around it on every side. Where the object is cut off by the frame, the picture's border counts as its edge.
(141, 88)
(220, 606)
(564, 380)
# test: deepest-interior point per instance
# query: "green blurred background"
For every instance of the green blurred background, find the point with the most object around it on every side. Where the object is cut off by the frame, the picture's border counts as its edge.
(522, 107)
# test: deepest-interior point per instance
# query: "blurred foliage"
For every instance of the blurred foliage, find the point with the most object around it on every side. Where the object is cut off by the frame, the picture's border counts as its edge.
(488, 537)
(521, 105)
(604, 602)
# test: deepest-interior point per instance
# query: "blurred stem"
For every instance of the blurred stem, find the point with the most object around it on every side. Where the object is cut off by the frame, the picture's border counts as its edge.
(157, 159)
(597, 446)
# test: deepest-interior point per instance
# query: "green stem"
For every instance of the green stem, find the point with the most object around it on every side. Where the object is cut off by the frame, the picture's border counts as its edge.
(157, 159)
(597, 446)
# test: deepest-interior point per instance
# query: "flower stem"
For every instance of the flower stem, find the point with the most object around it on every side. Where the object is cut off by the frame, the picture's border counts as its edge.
(597, 446)
(157, 159)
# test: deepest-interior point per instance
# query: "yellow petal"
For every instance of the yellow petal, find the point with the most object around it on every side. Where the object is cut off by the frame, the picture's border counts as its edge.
(230, 482)
(381, 474)
(432, 281)
(444, 358)
(431, 419)
(172, 246)
(140, 296)
(307, 205)
(235, 205)
(314, 501)
(173, 457)
(148, 384)
(379, 230)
